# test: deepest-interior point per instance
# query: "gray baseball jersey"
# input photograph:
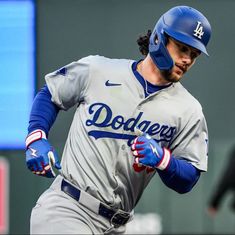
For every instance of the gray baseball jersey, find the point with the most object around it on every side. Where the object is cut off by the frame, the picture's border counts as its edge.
(110, 103)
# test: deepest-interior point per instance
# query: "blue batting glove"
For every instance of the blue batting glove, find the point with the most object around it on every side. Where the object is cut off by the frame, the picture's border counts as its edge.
(40, 155)
(149, 153)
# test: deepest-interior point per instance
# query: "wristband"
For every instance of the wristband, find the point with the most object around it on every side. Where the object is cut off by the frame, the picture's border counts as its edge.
(34, 136)
(162, 165)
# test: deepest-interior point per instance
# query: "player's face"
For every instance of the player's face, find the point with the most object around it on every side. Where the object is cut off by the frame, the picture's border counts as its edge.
(183, 56)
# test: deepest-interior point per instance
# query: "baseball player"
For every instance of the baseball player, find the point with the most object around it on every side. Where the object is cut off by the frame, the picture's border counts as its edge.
(224, 186)
(134, 119)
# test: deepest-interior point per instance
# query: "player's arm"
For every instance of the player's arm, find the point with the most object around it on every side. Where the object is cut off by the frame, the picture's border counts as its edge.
(43, 112)
(225, 183)
(177, 174)
(65, 88)
(40, 155)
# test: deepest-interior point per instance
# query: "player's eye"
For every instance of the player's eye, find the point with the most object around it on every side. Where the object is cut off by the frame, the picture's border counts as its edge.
(195, 54)
(183, 48)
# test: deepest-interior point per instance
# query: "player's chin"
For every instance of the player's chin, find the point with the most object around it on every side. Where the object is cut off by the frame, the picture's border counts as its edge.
(177, 78)
(174, 77)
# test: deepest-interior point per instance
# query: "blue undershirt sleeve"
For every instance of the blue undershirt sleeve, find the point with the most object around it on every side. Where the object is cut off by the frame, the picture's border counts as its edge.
(180, 175)
(43, 112)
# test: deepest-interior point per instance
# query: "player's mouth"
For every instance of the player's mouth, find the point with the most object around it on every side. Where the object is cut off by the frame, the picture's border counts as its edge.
(181, 69)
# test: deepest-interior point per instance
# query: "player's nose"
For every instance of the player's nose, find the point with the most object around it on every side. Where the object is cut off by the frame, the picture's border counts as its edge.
(186, 58)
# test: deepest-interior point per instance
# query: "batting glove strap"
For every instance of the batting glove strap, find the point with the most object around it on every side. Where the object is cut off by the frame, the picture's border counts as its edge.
(34, 136)
(162, 165)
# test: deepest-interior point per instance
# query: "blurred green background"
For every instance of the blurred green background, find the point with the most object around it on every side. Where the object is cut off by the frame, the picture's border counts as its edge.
(67, 30)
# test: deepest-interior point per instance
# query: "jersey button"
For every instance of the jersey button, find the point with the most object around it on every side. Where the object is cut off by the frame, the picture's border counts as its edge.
(141, 96)
(123, 147)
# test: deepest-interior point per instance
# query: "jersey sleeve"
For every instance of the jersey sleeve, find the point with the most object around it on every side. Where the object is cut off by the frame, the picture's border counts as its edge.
(68, 84)
(192, 142)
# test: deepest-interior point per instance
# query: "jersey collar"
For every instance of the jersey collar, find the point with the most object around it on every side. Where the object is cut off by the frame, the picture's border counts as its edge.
(148, 87)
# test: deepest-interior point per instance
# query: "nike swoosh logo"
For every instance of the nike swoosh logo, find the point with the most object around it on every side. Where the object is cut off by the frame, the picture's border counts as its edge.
(108, 83)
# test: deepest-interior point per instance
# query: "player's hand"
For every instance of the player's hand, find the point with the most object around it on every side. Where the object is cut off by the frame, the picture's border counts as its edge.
(148, 152)
(40, 155)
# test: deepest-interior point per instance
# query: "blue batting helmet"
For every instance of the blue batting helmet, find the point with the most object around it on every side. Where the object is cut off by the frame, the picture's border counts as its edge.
(186, 25)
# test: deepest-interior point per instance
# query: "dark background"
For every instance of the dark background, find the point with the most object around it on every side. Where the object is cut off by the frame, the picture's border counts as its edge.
(70, 29)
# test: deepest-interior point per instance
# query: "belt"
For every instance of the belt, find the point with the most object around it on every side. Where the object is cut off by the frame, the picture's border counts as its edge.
(116, 217)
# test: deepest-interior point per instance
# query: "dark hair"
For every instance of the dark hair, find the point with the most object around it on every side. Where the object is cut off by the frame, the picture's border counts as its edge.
(143, 42)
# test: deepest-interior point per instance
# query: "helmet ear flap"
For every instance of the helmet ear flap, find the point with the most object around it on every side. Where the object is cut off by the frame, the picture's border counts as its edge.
(161, 56)
(159, 52)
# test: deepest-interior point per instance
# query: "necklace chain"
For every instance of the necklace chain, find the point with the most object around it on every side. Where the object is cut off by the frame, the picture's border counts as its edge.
(146, 87)
(145, 82)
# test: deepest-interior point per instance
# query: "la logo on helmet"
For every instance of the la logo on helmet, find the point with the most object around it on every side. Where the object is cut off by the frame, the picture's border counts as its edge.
(199, 30)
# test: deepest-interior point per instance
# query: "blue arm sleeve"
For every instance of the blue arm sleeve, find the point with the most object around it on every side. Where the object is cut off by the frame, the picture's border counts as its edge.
(43, 111)
(180, 175)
